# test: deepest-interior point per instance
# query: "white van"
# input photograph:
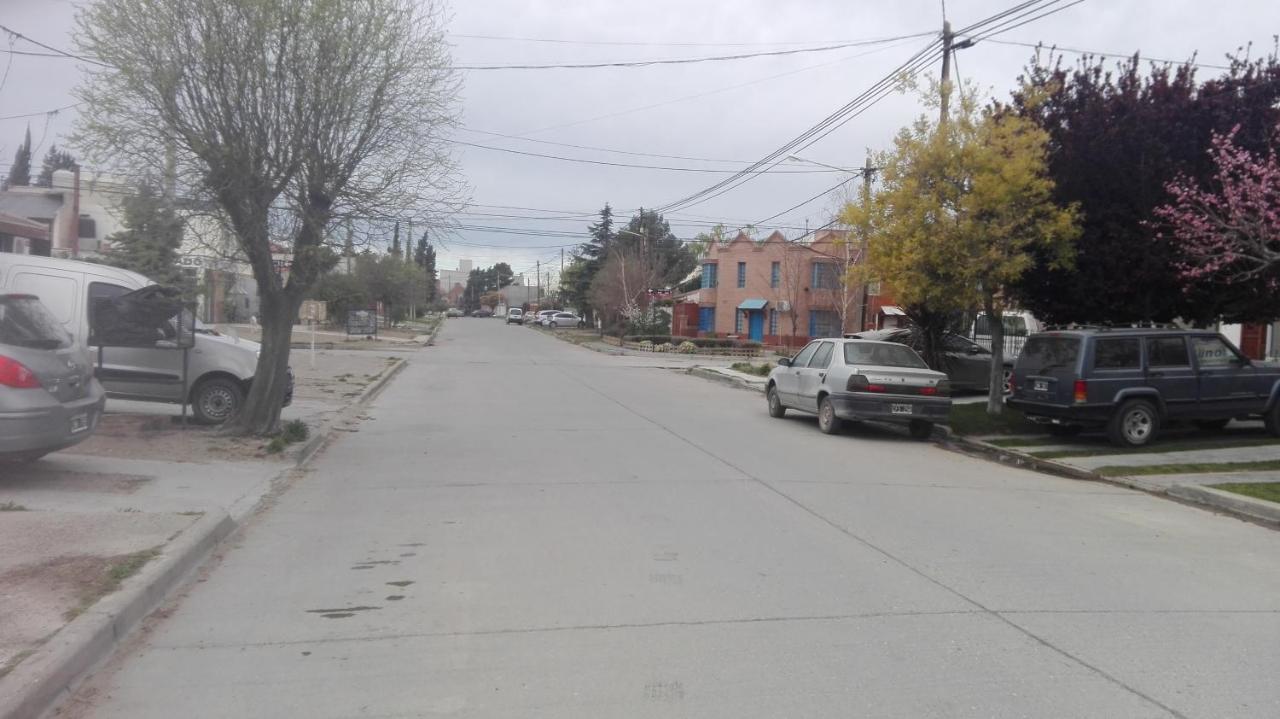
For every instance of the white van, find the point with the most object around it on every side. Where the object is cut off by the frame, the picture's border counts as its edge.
(1018, 325)
(219, 368)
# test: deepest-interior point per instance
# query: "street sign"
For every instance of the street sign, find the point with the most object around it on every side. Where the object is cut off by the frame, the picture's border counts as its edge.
(314, 311)
(362, 322)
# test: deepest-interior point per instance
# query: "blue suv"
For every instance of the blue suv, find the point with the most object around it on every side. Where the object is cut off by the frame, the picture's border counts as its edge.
(1133, 381)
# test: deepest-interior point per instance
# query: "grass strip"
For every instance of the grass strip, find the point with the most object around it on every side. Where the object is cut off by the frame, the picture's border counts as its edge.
(1171, 446)
(969, 419)
(1269, 491)
(1188, 468)
(112, 578)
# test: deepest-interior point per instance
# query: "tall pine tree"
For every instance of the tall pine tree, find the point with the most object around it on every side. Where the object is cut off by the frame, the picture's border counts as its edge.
(149, 242)
(424, 256)
(20, 171)
(54, 160)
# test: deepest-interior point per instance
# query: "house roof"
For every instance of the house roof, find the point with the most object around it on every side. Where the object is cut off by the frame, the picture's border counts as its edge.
(22, 227)
(30, 204)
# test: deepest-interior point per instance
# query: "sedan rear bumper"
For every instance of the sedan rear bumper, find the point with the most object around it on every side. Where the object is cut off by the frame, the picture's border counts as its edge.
(859, 406)
(48, 427)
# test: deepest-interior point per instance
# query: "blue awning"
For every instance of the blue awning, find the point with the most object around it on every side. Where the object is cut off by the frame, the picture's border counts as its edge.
(753, 304)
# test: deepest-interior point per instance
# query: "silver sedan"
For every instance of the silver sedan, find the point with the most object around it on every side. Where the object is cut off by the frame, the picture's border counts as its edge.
(851, 379)
(564, 319)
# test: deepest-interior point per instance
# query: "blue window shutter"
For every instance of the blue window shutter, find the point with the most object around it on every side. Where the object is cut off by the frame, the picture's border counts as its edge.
(813, 323)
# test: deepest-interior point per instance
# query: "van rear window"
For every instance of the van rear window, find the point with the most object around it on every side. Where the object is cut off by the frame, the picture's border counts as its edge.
(1040, 354)
(25, 322)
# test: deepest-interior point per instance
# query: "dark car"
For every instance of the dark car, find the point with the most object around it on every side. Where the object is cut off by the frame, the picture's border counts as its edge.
(1133, 381)
(968, 364)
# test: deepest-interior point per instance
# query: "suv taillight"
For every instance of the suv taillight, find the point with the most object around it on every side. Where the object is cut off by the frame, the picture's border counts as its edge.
(16, 375)
(1081, 391)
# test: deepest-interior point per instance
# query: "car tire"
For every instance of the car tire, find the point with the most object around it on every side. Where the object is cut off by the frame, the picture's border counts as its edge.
(216, 400)
(1134, 424)
(1211, 425)
(776, 408)
(920, 429)
(1272, 420)
(828, 422)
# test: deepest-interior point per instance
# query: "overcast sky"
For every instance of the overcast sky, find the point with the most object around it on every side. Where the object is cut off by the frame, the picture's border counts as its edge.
(736, 111)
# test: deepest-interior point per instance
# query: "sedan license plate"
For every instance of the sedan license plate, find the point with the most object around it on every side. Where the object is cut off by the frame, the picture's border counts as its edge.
(79, 423)
(1041, 385)
(899, 409)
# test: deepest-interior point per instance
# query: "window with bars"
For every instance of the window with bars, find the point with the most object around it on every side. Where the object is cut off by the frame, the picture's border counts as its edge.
(823, 323)
(775, 275)
(737, 322)
(824, 276)
(742, 275)
(709, 276)
(773, 320)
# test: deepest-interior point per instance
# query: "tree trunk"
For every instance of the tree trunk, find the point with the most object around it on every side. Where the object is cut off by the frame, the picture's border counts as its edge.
(260, 414)
(995, 320)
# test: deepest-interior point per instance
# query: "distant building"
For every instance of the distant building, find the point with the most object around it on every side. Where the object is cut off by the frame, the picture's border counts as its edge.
(78, 212)
(446, 279)
(783, 293)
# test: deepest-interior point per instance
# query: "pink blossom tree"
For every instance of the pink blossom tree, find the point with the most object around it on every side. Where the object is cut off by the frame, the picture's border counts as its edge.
(1230, 230)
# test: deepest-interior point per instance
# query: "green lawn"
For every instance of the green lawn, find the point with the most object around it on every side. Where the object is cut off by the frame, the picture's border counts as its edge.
(1189, 468)
(973, 419)
(1269, 491)
(1168, 445)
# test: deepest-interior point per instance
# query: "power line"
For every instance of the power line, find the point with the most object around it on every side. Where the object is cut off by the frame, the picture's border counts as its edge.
(684, 60)
(54, 111)
(1100, 53)
(797, 206)
(603, 149)
(560, 41)
(50, 48)
(635, 166)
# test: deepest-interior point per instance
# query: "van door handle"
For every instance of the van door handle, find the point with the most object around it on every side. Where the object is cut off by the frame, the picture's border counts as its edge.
(1155, 374)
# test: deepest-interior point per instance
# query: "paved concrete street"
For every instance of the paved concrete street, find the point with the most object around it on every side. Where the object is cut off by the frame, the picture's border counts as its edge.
(525, 528)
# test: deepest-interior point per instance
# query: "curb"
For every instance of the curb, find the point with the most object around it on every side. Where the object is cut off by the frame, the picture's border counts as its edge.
(730, 380)
(1257, 510)
(52, 672)
(1239, 506)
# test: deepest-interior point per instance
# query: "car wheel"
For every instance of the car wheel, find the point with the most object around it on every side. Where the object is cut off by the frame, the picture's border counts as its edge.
(828, 422)
(216, 400)
(1135, 424)
(1211, 425)
(920, 429)
(1272, 420)
(776, 409)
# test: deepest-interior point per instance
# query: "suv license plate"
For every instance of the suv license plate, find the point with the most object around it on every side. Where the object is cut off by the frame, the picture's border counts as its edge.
(1041, 385)
(900, 409)
(79, 423)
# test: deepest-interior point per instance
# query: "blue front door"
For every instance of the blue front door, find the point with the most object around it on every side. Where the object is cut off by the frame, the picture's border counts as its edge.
(755, 327)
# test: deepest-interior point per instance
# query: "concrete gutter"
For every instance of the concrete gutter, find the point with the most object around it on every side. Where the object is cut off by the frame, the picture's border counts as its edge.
(731, 378)
(52, 673)
(1259, 510)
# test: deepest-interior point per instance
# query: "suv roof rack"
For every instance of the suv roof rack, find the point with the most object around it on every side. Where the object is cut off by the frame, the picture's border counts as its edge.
(1106, 328)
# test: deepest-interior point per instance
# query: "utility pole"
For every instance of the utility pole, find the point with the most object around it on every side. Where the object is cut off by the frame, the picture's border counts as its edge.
(538, 272)
(867, 172)
(947, 39)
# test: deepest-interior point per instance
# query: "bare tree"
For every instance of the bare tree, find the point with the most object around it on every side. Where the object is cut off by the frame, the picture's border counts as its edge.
(621, 287)
(289, 116)
(792, 281)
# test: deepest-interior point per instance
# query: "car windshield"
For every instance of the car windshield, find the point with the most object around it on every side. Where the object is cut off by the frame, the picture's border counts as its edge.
(25, 322)
(882, 354)
(1045, 353)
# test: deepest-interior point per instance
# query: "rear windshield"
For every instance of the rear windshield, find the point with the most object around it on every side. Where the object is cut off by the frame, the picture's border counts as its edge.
(25, 322)
(885, 355)
(1045, 353)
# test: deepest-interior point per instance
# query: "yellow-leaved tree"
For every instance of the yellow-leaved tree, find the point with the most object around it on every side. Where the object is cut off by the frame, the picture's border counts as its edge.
(962, 205)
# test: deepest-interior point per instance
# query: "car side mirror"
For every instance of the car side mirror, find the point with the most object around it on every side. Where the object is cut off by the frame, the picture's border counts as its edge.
(784, 362)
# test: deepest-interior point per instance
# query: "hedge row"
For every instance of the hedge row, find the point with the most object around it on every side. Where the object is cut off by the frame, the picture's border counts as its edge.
(699, 341)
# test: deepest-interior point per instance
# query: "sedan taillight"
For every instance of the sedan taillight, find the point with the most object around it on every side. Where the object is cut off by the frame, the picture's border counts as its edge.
(16, 375)
(859, 383)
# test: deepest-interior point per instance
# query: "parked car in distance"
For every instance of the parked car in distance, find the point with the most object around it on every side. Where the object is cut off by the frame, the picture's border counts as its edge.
(565, 319)
(453, 312)
(482, 313)
(1134, 381)
(542, 317)
(1018, 326)
(49, 398)
(220, 369)
(968, 364)
(516, 315)
(855, 380)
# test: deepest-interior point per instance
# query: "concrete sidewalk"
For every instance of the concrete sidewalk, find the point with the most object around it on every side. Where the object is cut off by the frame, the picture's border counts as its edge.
(95, 537)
